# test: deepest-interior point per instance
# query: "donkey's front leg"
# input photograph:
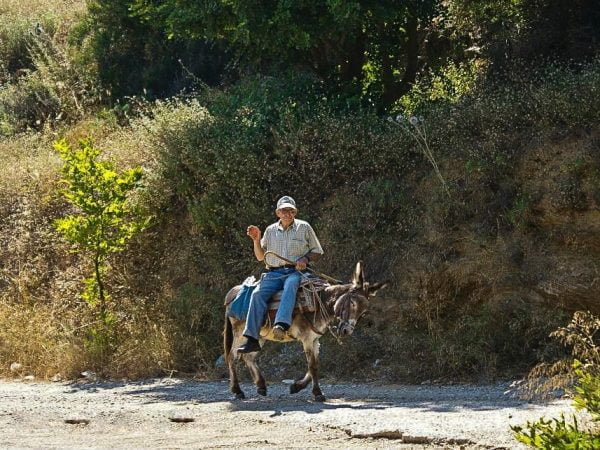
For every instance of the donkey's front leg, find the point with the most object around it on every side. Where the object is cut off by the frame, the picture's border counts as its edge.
(300, 383)
(311, 350)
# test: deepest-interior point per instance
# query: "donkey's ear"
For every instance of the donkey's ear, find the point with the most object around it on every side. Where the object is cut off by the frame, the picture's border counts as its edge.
(375, 287)
(357, 276)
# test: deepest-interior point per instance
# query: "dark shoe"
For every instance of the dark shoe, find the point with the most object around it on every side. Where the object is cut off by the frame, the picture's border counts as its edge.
(280, 331)
(250, 346)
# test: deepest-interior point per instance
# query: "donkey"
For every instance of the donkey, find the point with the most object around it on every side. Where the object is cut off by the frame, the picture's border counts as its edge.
(345, 303)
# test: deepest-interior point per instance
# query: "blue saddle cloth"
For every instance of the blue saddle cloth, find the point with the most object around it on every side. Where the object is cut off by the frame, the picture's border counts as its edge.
(239, 306)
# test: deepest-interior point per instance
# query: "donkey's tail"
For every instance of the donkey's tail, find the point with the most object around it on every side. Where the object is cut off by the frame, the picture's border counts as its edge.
(227, 337)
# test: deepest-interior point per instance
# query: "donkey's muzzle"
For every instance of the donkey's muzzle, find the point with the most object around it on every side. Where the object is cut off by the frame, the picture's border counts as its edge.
(345, 328)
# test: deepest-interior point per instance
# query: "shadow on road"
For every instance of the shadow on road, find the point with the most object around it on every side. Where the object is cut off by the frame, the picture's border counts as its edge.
(445, 399)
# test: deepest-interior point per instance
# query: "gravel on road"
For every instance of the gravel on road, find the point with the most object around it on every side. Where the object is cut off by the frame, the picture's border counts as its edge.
(178, 413)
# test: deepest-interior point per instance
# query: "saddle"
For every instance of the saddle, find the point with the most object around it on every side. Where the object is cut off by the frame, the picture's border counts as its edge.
(305, 298)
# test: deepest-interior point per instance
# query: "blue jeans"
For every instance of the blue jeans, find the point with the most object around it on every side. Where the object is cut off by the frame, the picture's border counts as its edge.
(287, 279)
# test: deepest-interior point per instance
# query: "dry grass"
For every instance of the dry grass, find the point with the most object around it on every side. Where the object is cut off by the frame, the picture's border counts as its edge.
(30, 165)
(36, 337)
(467, 271)
(43, 322)
(65, 9)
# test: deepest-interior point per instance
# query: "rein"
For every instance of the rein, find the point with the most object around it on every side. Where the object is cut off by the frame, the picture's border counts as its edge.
(322, 311)
(319, 274)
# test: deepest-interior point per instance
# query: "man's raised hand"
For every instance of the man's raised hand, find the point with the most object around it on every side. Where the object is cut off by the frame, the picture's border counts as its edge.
(254, 232)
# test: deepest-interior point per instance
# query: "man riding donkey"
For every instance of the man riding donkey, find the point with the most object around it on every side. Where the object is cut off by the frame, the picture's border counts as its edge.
(294, 240)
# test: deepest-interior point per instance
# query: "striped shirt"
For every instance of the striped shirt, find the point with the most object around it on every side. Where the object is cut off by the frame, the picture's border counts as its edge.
(293, 243)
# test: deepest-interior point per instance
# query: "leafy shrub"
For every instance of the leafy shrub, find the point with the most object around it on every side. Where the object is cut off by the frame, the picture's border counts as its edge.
(17, 35)
(135, 57)
(55, 90)
(105, 222)
(28, 104)
(268, 136)
(581, 335)
(509, 32)
(447, 85)
(487, 124)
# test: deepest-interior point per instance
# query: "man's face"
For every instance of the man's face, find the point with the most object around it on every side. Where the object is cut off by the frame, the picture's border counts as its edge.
(286, 214)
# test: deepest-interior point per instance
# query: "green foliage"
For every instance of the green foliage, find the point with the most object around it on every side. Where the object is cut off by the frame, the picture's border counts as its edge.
(27, 104)
(101, 195)
(18, 33)
(486, 126)
(53, 90)
(587, 389)
(337, 40)
(105, 223)
(449, 84)
(509, 32)
(558, 433)
(133, 56)
(267, 136)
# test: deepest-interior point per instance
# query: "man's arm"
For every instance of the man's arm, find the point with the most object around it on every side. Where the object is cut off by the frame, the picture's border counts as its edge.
(315, 251)
(310, 256)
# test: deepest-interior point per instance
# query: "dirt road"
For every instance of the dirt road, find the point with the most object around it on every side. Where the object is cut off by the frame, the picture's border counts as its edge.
(172, 413)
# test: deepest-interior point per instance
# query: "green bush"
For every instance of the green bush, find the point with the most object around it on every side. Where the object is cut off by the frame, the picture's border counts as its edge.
(55, 90)
(104, 224)
(28, 104)
(581, 335)
(361, 181)
(17, 35)
(488, 125)
(135, 57)
(267, 136)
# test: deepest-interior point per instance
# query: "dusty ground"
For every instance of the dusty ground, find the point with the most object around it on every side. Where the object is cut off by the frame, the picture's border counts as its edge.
(141, 414)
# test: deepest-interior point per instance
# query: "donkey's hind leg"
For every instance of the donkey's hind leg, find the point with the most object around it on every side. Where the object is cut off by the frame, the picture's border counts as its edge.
(232, 357)
(257, 377)
(311, 350)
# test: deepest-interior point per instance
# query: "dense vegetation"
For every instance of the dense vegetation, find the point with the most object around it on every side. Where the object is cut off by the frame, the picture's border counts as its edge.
(580, 336)
(453, 146)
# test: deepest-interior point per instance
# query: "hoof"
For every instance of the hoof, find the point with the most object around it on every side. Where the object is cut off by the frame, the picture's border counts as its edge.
(240, 395)
(294, 389)
(319, 398)
(262, 391)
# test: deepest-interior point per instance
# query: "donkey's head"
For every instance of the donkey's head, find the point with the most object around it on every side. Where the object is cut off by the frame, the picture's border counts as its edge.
(353, 301)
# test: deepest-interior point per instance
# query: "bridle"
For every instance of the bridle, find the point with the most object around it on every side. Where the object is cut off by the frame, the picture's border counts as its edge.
(343, 308)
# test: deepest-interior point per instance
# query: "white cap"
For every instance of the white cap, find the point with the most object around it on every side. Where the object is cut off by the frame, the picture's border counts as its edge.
(286, 202)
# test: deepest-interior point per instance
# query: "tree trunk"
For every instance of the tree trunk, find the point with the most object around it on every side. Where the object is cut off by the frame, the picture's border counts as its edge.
(351, 69)
(392, 89)
(101, 295)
